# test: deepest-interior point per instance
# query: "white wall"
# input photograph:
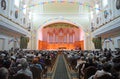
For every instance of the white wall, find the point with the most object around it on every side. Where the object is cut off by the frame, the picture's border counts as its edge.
(1, 43)
(5, 44)
(9, 42)
(111, 44)
(116, 41)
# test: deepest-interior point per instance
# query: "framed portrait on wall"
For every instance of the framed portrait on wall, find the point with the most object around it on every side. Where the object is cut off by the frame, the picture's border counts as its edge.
(3, 4)
(97, 20)
(105, 14)
(118, 4)
(16, 14)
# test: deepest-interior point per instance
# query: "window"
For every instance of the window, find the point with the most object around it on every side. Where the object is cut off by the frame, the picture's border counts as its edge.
(97, 8)
(30, 15)
(24, 9)
(91, 14)
(105, 3)
(17, 3)
(118, 43)
(2, 42)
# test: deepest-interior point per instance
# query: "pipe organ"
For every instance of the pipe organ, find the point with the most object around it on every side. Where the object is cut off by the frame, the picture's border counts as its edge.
(61, 35)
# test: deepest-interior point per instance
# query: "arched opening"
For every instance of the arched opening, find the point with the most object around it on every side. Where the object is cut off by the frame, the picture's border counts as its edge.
(60, 35)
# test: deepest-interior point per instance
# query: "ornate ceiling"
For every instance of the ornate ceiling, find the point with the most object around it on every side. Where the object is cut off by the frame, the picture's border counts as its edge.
(76, 12)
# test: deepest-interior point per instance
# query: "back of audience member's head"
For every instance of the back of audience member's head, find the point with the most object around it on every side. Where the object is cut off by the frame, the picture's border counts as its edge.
(20, 56)
(107, 67)
(82, 58)
(90, 60)
(35, 61)
(117, 67)
(105, 76)
(7, 63)
(116, 59)
(3, 73)
(21, 76)
(24, 63)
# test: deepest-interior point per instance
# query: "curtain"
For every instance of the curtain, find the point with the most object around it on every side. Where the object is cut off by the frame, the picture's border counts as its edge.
(97, 42)
(24, 42)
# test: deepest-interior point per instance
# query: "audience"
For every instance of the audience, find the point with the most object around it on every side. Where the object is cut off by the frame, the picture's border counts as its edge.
(24, 68)
(105, 76)
(106, 62)
(105, 70)
(17, 64)
(4, 73)
(21, 76)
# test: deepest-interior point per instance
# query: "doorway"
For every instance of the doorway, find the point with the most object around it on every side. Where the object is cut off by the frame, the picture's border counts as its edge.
(2, 42)
(118, 43)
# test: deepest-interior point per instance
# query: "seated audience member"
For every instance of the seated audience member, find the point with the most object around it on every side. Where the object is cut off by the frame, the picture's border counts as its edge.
(3, 73)
(7, 63)
(89, 63)
(80, 61)
(105, 76)
(13, 61)
(105, 70)
(21, 76)
(89, 71)
(36, 64)
(81, 64)
(116, 73)
(25, 69)
(19, 57)
(1, 60)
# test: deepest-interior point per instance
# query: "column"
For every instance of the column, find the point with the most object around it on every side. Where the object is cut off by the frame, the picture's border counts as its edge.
(53, 37)
(48, 37)
(67, 38)
(73, 38)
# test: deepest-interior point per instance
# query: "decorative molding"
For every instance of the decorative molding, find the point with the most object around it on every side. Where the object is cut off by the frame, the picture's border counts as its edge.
(13, 26)
(107, 27)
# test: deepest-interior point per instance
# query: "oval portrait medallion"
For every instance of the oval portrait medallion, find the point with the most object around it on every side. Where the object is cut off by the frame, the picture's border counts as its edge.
(3, 4)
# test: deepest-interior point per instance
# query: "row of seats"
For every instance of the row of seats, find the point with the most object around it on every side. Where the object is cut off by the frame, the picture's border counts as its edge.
(31, 63)
(94, 64)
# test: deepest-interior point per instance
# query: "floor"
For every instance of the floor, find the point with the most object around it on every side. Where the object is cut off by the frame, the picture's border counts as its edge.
(61, 70)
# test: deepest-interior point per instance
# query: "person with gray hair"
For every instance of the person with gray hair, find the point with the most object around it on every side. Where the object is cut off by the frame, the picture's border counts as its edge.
(4, 73)
(25, 70)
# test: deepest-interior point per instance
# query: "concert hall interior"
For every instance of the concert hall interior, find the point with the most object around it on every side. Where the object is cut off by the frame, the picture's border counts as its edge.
(59, 39)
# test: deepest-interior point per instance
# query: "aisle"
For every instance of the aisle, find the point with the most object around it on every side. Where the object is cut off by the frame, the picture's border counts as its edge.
(61, 71)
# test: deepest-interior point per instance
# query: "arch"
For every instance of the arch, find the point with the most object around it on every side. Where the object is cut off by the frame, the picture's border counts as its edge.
(58, 20)
(41, 41)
